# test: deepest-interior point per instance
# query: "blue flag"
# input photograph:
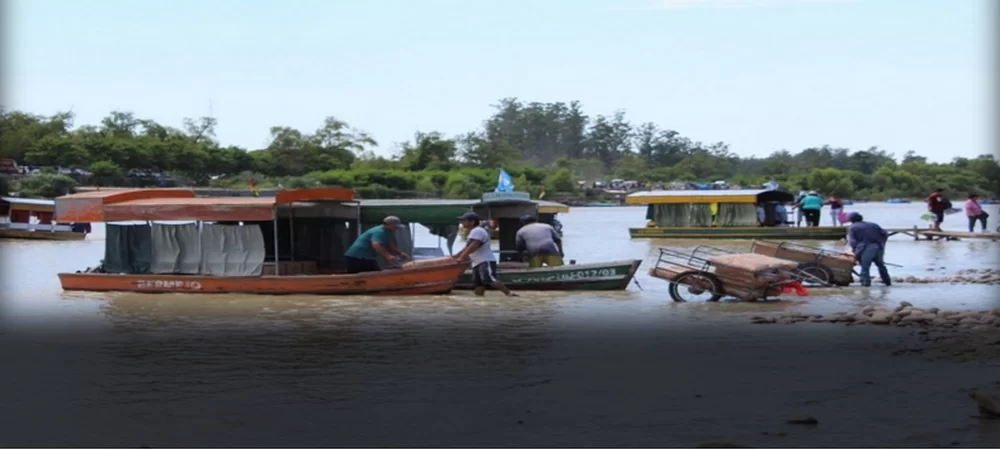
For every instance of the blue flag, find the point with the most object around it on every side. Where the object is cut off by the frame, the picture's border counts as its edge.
(504, 183)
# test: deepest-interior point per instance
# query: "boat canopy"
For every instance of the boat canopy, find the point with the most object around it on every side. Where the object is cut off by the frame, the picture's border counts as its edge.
(423, 211)
(547, 207)
(26, 204)
(749, 196)
(437, 212)
(182, 204)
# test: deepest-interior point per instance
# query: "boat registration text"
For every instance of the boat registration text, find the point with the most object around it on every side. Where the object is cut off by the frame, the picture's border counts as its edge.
(570, 276)
(168, 284)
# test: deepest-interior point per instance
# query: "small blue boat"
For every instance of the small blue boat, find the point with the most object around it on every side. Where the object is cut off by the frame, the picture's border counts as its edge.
(897, 200)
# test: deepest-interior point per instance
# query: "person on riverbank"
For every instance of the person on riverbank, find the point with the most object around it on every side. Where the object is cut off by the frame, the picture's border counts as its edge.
(811, 205)
(798, 211)
(781, 215)
(974, 211)
(867, 240)
(937, 205)
(836, 207)
(362, 255)
(539, 242)
(483, 261)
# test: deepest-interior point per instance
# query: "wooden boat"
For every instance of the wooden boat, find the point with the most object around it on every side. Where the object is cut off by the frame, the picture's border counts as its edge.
(303, 234)
(507, 208)
(720, 214)
(440, 218)
(601, 276)
(28, 218)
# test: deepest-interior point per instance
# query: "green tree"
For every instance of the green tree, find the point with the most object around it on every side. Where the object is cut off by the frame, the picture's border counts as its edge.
(47, 186)
(107, 173)
(561, 181)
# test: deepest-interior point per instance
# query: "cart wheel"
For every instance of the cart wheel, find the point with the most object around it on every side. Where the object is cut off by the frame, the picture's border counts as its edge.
(845, 283)
(693, 284)
(815, 272)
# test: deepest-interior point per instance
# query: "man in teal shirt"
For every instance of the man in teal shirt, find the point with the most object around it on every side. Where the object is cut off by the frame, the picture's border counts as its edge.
(381, 240)
(810, 205)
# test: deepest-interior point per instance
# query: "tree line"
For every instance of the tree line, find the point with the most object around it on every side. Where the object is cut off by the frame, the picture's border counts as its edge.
(541, 144)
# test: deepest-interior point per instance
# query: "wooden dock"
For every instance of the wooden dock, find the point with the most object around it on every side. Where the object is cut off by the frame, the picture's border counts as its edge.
(928, 234)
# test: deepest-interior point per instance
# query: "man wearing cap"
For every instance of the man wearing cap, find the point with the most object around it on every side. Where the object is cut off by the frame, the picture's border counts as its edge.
(867, 241)
(363, 254)
(539, 242)
(477, 250)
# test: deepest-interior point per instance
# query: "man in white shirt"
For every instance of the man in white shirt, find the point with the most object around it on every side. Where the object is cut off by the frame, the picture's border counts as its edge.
(477, 250)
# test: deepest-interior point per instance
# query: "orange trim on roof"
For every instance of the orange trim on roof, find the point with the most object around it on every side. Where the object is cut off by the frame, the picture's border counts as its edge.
(200, 208)
(89, 206)
(124, 195)
(314, 195)
(182, 204)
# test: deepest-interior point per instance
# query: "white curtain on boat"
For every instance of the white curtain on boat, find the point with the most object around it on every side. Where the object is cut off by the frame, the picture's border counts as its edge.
(176, 248)
(232, 250)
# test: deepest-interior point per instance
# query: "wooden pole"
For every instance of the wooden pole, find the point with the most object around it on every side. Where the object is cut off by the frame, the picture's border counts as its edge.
(277, 265)
(291, 232)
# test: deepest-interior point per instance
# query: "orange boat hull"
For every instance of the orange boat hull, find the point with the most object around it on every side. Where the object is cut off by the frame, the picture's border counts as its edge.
(417, 281)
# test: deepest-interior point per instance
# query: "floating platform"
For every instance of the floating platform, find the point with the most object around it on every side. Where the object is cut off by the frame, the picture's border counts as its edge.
(930, 235)
(780, 233)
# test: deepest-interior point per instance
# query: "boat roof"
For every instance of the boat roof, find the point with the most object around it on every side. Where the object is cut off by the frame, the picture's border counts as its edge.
(434, 211)
(183, 204)
(547, 207)
(706, 196)
(422, 211)
(29, 204)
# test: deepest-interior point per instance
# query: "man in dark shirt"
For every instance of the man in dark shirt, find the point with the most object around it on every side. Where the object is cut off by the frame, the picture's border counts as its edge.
(937, 205)
(867, 241)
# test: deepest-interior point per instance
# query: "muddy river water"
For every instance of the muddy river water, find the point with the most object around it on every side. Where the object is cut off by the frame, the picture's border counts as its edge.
(624, 368)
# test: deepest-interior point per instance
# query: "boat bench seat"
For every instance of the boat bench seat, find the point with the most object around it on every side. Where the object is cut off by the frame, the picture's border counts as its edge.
(39, 227)
(291, 268)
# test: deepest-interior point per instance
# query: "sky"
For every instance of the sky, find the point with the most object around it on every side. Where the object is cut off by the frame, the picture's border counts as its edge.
(760, 75)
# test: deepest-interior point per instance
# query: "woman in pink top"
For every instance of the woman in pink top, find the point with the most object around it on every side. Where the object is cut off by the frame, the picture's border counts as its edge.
(975, 213)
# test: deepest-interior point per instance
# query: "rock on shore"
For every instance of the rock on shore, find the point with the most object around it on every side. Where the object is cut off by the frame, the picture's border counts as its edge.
(971, 276)
(961, 334)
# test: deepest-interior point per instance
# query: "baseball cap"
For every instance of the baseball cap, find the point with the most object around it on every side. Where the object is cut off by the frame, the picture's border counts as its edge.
(469, 216)
(527, 218)
(391, 220)
(854, 217)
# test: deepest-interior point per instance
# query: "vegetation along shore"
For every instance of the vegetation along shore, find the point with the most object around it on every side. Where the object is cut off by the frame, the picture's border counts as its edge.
(552, 145)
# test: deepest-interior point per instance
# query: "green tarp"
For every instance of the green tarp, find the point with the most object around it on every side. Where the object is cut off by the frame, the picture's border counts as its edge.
(737, 215)
(128, 249)
(681, 215)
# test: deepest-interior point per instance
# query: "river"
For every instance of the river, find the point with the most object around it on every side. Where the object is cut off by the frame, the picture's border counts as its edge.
(625, 368)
